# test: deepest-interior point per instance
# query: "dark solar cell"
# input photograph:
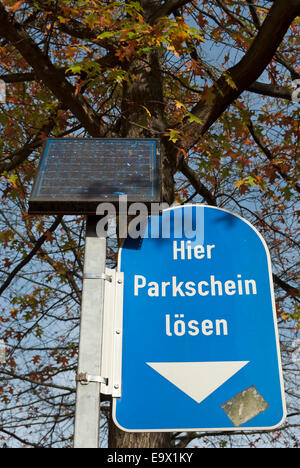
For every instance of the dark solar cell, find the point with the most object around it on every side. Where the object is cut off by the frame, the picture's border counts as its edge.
(76, 174)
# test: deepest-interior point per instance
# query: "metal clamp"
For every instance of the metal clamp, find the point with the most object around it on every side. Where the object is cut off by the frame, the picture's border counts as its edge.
(85, 378)
(103, 276)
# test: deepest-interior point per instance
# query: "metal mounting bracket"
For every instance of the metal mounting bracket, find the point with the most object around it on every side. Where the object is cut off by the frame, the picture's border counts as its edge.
(103, 276)
(112, 334)
(85, 378)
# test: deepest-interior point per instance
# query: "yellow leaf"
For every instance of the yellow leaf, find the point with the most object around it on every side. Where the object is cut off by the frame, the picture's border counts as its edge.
(179, 105)
(174, 50)
(173, 135)
(147, 110)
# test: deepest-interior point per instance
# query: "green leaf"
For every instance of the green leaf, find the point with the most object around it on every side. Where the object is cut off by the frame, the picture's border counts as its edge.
(173, 135)
(106, 35)
(75, 68)
(194, 118)
(229, 80)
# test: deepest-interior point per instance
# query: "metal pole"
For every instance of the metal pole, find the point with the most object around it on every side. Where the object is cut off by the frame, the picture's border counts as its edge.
(87, 412)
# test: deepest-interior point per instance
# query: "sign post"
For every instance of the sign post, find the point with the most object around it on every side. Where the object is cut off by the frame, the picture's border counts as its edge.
(87, 412)
(200, 339)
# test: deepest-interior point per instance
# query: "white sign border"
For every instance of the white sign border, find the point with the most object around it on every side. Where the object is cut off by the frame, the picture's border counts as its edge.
(226, 429)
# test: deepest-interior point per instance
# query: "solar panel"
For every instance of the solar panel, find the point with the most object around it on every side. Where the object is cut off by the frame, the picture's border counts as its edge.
(76, 174)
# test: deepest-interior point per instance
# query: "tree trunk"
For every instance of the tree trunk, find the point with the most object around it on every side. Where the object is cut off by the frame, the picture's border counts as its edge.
(143, 116)
(121, 439)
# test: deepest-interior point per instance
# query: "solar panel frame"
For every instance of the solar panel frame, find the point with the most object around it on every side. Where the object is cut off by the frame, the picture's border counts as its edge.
(140, 187)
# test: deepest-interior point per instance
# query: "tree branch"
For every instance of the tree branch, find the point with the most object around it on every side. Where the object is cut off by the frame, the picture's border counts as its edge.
(108, 60)
(291, 290)
(193, 178)
(35, 382)
(53, 78)
(19, 439)
(260, 143)
(271, 90)
(254, 14)
(27, 259)
(72, 26)
(19, 156)
(240, 77)
(166, 9)
(18, 77)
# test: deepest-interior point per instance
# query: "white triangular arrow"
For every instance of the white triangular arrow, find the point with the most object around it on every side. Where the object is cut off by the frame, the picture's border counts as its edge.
(198, 379)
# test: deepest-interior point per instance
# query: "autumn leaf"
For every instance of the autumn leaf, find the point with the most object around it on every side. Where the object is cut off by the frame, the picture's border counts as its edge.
(173, 135)
(36, 359)
(78, 87)
(49, 236)
(180, 105)
(147, 110)
(193, 118)
(126, 52)
(172, 48)
(63, 20)
(184, 153)
(7, 262)
(15, 7)
(230, 80)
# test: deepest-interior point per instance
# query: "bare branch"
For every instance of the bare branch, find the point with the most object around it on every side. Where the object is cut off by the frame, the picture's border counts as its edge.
(27, 259)
(194, 179)
(271, 90)
(18, 77)
(19, 439)
(291, 290)
(260, 143)
(25, 378)
(166, 9)
(19, 156)
(253, 13)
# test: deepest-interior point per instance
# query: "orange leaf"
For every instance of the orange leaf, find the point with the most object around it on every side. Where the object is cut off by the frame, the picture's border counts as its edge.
(147, 110)
(15, 6)
(184, 153)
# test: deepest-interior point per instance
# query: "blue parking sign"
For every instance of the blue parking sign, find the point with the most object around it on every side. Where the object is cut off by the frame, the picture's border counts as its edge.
(200, 340)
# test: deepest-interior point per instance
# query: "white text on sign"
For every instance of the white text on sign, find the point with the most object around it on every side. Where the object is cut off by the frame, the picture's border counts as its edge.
(177, 325)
